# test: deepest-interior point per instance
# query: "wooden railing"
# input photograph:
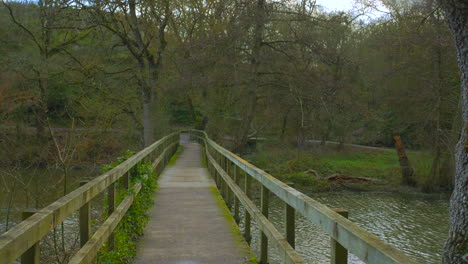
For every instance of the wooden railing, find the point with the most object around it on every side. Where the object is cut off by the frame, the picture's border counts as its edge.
(22, 241)
(229, 169)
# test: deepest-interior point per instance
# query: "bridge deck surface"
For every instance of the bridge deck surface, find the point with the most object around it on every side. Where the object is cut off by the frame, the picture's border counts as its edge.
(187, 224)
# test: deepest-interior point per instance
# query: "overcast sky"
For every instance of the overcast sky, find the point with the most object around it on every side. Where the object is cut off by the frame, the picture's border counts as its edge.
(336, 5)
(346, 5)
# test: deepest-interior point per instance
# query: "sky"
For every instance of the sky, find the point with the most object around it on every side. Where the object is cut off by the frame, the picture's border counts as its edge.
(336, 5)
(346, 5)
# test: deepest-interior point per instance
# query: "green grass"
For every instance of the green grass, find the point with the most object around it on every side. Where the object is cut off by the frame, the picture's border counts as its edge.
(290, 164)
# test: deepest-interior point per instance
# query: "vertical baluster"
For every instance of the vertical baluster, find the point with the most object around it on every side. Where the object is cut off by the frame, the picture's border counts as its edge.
(85, 221)
(247, 190)
(110, 210)
(228, 190)
(290, 223)
(265, 197)
(236, 200)
(339, 254)
(31, 256)
(126, 179)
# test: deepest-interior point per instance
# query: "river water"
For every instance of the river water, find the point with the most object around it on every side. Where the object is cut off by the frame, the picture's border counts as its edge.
(416, 225)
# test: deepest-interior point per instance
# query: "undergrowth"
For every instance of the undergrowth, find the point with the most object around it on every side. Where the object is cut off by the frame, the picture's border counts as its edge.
(132, 225)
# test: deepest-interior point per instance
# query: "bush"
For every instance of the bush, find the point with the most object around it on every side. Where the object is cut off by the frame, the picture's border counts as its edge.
(132, 225)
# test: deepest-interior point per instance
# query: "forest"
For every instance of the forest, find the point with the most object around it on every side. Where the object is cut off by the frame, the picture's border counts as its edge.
(81, 82)
(110, 80)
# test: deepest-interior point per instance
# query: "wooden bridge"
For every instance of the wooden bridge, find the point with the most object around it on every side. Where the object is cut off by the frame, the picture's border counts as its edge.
(188, 226)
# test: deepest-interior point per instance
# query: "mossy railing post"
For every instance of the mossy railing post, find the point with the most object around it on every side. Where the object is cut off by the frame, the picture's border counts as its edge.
(265, 197)
(228, 190)
(339, 254)
(126, 179)
(236, 199)
(84, 221)
(290, 223)
(110, 210)
(248, 193)
(32, 255)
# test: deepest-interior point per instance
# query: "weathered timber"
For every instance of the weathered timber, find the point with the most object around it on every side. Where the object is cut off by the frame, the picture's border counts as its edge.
(111, 195)
(355, 239)
(236, 200)
(265, 200)
(339, 254)
(31, 256)
(247, 191)
(188, 223)
(85, 221)
(290, 223)
(88, 252)
(20, 238)
(286, 253)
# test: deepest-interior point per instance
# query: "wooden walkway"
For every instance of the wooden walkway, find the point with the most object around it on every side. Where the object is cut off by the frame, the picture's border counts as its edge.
(187, 224)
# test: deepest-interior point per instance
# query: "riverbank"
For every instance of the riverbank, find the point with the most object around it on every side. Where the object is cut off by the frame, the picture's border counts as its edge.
(330, 169)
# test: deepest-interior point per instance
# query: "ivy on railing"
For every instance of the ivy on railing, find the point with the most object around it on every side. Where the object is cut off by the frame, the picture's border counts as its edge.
(131, 228)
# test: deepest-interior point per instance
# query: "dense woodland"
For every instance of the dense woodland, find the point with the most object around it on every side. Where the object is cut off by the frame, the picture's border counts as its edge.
(81, 81)
(239, 69)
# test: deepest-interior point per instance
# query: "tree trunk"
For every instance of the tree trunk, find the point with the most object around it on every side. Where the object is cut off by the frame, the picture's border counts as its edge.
(148, 129)
(455, 250)
(242, 136)
(407, 172)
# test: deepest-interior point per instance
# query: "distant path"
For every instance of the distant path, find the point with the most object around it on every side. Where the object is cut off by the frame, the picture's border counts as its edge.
(33, 130)
(360, 146)
(187, 225)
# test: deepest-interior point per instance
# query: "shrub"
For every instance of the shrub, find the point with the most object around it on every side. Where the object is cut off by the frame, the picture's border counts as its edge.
(132, 225)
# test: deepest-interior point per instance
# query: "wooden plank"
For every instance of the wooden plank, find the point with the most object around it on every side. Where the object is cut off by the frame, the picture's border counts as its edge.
(339, 254)
(357, 240)
(236, 200)
(290, 223)
(265, 200)
(248, 193)
(111, 195)
(89, 251)
(17, 240)
(286, 252)
(31, 256)
(85, 221)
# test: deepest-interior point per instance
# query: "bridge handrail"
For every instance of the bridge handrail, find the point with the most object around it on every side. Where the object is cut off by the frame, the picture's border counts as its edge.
(354, 238)
(16, 241)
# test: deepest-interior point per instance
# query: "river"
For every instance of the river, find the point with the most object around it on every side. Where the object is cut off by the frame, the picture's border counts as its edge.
(416, 225)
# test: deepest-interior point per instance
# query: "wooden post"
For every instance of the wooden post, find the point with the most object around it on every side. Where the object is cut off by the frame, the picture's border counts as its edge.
(236, 200)
(85, 221)
(126, 179)
(247, 190)
(31, 256)
(110, 210)
(290, 223)
(265, 197)
(339, 254)
(228, 190)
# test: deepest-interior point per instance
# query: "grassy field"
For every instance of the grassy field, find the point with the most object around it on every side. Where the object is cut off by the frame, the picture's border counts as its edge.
(293, 165)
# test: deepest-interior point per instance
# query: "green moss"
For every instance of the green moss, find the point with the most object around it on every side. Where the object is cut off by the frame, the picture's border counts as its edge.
(176, 155)
(232, 225)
